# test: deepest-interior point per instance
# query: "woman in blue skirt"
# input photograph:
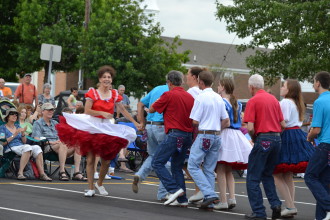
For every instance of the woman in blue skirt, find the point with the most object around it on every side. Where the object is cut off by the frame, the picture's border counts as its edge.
(295, 150)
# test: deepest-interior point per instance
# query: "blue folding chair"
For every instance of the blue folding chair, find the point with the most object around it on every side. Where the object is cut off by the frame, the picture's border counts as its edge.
(137, 154)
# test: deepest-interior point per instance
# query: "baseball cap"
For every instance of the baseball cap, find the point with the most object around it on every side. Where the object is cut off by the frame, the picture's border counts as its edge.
(47, 106)
(28, 74)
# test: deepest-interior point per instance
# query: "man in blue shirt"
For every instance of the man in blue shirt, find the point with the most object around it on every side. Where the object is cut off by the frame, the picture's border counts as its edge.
(155, 130)
(317, 176)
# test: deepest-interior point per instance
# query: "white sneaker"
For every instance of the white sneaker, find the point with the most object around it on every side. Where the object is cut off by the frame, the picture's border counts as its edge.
(327, 217)
(96, 176)
(196, 197)
(231, 203)
(101, 190)
(89, 193)
(179, 204)
(174, 196)
(220, 206)
(111, 171)
(289, 212)
(107, 177)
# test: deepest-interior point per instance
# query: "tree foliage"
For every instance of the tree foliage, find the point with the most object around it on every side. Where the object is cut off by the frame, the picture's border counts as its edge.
(8, 39)
(48, 21)
(120, 35)
(298, 30)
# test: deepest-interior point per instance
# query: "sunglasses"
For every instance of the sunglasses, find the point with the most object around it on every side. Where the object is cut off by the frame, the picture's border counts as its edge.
(13, 113)
(50, 110)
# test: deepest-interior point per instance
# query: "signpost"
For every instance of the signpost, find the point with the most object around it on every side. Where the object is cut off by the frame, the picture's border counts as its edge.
(52, 53)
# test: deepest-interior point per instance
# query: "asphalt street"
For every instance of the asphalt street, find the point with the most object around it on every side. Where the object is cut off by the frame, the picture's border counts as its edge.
(64, 200)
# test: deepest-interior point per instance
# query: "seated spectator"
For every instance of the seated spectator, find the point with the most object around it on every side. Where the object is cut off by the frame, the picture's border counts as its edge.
(16, 139)
(5, 91)
(45, 127)
(22, 120)
(80, 110)
(73, 98)
(67, 110)
(36, 114)
(45, 96)
(79, 104)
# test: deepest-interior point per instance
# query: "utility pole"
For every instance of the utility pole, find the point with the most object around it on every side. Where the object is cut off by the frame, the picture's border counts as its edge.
(87, 13)
(86, 22)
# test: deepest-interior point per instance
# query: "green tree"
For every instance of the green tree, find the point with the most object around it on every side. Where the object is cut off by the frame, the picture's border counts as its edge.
(8, 39)
(119, 34)
(48, 21)
(298, 30)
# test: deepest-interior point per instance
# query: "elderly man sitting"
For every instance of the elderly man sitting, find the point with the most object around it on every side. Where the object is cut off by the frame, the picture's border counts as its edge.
(45, 127)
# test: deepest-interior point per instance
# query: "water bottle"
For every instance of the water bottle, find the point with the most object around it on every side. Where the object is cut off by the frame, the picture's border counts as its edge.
(71, 171)
(2, 138)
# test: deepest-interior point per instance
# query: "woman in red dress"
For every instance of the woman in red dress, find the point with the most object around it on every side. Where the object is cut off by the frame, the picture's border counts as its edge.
(93, 133)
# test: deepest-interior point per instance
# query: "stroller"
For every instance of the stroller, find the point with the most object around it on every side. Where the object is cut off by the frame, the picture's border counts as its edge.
(4, 105)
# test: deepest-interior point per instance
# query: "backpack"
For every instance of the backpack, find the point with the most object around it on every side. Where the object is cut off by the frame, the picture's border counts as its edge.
(28, 170)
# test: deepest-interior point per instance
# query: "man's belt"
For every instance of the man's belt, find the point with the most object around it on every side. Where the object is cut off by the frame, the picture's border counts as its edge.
(269, 134)
(209, 132)
(155, 123)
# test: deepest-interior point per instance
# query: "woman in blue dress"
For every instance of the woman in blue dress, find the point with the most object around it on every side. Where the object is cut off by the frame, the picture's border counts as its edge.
(295, 150)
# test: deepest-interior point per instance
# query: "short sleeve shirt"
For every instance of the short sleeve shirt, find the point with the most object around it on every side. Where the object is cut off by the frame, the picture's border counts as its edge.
(42, 99)
(41, 129)
(321, 117)
(176, 106)
(26, 93)
(194, 91)
(17, 141)
(209, 109)
(150, 98)
(264, 111)
(6, 91)
(290, 113)
(104, 105)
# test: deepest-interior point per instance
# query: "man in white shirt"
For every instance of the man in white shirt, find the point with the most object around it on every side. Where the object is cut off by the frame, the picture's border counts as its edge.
(209, 113)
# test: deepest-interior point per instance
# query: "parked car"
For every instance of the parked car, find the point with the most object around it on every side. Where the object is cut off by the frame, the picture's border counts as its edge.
(61, 100)
(13, 86)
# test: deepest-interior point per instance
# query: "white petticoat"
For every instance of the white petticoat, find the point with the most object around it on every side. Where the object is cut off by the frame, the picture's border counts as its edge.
(95, 125)
(234, 146)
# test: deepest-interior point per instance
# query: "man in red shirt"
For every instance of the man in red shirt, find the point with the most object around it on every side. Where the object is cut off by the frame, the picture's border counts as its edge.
(176, 106)
(26, 92)
(265, 122)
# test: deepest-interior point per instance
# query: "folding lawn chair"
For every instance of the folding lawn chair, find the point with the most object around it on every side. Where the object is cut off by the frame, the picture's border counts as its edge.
(137, 152)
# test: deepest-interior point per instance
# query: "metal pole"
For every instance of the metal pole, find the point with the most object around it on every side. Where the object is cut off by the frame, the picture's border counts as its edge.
(50, 63)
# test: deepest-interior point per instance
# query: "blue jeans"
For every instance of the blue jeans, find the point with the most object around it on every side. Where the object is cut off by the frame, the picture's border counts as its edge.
(156, 135)
(262, 162)
(317, 178)
(175, 145)
(162, 192)
(205, 148)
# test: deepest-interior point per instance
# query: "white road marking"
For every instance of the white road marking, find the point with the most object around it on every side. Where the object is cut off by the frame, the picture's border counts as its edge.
(115, 197)
(36, 213)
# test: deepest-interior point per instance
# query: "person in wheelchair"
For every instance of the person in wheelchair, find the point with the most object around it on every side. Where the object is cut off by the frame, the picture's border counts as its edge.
(16, 142)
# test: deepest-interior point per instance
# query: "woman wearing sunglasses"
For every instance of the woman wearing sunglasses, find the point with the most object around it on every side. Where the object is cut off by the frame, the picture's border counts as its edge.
(16, 142)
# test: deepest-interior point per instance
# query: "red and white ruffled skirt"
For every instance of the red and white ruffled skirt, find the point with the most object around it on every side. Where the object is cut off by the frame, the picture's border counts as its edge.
(96, 135)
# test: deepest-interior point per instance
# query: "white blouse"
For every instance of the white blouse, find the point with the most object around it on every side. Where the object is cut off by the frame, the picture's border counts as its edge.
(290, 113)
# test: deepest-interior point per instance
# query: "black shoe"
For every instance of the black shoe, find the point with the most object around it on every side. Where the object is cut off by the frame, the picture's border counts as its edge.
(253, 216)
(207, 202)
(276, 212)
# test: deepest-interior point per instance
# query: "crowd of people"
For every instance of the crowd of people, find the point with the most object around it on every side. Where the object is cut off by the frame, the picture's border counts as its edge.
(199, 132)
